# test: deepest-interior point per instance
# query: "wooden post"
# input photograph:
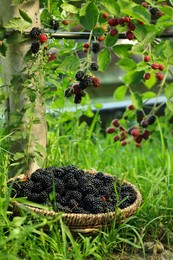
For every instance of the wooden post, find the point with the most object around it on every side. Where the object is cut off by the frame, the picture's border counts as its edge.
(13, 64)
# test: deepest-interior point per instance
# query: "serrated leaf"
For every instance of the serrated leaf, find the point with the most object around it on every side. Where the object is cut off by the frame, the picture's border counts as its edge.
(140, 32)
(70, 63)
(120, 92)
(127, 64)
(16, 37)
(25, 16)
(167, 10)
(133, 77)
(170, 105)
(151, 81)
(3, 50)
(138, 47)
(169, 91)
(99, 31)
(104, 58)
(111, 6)
(89, 20)
(148, 95)
(70, 8)
(139, 13)
(137, 100)
(110, 40)
(18, 23)
(122, 50)
(18, 156)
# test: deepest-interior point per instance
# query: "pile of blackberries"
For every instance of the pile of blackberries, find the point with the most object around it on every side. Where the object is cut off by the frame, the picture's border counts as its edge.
(68, 189)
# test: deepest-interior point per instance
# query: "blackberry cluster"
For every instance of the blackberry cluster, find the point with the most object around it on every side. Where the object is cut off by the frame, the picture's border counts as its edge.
(78, 89)
(71, 190)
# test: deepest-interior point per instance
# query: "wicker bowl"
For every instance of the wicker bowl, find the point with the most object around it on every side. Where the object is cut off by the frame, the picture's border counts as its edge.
(86, 223)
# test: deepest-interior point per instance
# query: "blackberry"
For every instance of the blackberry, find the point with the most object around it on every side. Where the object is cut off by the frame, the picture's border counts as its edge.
(144, 123)
(37, 176)
(77, 99)
(64, 201)
(35, 32)
(68, 92)
(47, 182)
(35, 46)
(127, 188)
(94, 66)
(90, 189)
(97, 209)
(108, 179)
(59, 186)
(87, 80)
(58, 197)
(151, 119)
(97, 183)
(54, 24)
(50, 170)
(72, 184)
(74, 194)
(79, 210)
(105, 191)
(38, 187)
(79, 75)
(95, 47)
(28, 185)
(99, 175)
(43, 197)
(35, 197)
(72, 203)
(78, 174)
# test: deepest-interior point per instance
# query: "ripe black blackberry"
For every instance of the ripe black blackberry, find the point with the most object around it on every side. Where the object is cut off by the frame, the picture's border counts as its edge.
(54, 24)
(38, 187)
(77, 99)
(74, 194)
(71, 184)
(94, 66)
(89, 189)
(99, 175)
(36, 176)
(35, 46)
(72, 203)
(151, 119)
(35, 197)
(35, 32)
(97, 208)
(59, 186)
(95, 47)
(79, 75)
(68, 92)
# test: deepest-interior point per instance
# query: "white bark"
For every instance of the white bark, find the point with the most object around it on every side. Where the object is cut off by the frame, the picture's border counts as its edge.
(12, 65)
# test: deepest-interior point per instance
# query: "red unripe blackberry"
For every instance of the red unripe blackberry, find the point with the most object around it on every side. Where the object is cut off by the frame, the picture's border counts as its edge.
(141, 22)
(123, 143)
(66, 22)
(138, 145)
(113, 22)
(76, 89)
(51, 57)
(105, 28)
(131, 107)
(86, 45)
(96, 82)
(135, 132)
(161, 67)
(147, 58)
(105, 16)
(123, 135)
(85, 49)
(120, 20)
(145, 4)
(110, 130)
(116, 138)
(147, 76)
(115, 122)
(159, 76)
(130, 35)
(121, 128)
(43, 38)
(127, 19)
(101, 38)
(146, 134)
(131, 26)
(138, 139)
(154, 66)
(113, 32)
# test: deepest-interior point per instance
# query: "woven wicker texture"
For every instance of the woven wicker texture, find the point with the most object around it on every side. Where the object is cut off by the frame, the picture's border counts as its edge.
(87, 223)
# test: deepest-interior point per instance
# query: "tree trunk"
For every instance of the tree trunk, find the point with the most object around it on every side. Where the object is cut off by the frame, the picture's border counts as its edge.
(29, 128)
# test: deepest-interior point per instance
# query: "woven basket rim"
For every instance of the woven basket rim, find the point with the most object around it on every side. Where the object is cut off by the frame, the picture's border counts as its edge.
(90, 221)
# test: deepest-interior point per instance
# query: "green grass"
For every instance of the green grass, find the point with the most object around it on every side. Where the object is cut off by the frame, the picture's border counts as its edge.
(149, 168)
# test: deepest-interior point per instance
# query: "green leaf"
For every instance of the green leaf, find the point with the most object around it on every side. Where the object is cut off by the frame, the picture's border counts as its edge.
(137, 100)
(70, 63)
(104, 58)
(122, 50)
(3, 50)
(111, 6)
(98, 105)
(167, 10)
(138, 13)
(120, 92)
(151, 81)
(140, 32)
(16, 37)
(133, 77)
(18, 23)
(89, 20)
(110, 40)
(2, 33)
(25, 16)
(18, 156)
(127, 64)
(70, 8)
(169, 91)
(170, 105)
(148, 95)
(99, 31)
